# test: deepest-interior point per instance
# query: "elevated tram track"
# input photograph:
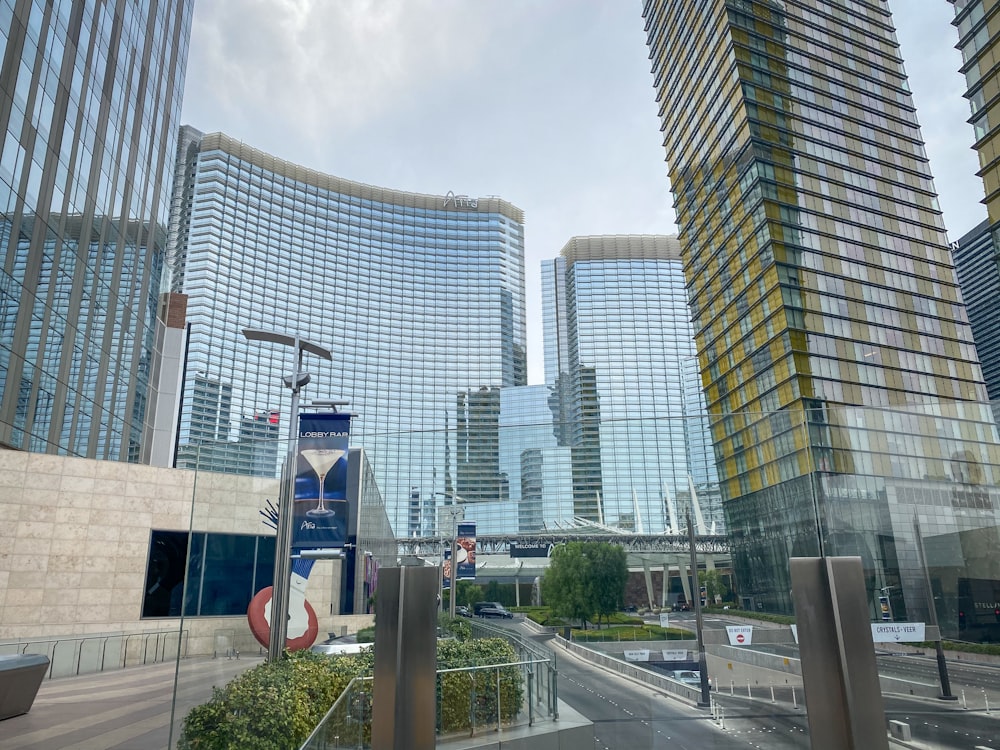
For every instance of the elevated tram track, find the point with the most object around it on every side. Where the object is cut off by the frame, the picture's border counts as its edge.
(634, 544)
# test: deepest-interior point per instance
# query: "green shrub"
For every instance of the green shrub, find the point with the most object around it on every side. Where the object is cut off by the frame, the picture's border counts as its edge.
(990, 649)
(750, 615)
(272, 706)
(647, 632)
(276, 705)
(366, 635)
(456, 626)
(467, 697)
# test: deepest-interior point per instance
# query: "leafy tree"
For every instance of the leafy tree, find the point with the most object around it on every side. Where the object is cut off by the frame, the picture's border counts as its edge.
(564, 585)
(469, 593)
(609, 575)
(585, 579)
(715, 586)
(499, 592)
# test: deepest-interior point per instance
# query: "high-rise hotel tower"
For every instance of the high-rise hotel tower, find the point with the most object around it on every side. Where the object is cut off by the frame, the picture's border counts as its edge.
(90, 95)
(625, 397)
(836, 354)
(977, 254)
(419, 297)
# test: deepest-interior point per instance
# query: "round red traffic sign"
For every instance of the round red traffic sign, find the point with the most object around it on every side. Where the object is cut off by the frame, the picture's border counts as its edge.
(740, 638)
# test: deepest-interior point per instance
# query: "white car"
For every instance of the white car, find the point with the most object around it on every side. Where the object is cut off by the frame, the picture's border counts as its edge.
(690, 677)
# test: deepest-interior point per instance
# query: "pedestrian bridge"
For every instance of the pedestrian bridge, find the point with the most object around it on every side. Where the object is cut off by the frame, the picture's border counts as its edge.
(541, 544)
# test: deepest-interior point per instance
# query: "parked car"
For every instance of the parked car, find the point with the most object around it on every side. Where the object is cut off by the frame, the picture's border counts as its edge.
(338, 649)
(690, 677)
(462, 611)
(494, 611)
(479, 605)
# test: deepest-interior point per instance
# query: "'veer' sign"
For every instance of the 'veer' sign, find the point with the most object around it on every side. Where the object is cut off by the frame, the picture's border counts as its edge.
(897, 632)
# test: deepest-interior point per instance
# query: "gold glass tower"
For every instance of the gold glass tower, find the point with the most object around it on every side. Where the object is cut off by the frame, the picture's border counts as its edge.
(830, 330)
(978, 23)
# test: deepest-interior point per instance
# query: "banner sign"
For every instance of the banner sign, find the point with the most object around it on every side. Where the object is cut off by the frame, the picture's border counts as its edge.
(446, 570)
(675, 654)
(740, 635)
(319, 513)
(883, 603)
(664, 619)
(795, 633)
(530, 549)
(897, 632)
(639, 654)
(465, 551)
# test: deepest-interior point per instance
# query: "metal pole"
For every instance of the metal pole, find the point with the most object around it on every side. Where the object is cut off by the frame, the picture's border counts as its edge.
(696, 594)
(946, 694)
(453, 595)
(283, 542)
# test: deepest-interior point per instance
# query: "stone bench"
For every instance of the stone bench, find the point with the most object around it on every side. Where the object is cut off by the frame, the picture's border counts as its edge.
(20, 677)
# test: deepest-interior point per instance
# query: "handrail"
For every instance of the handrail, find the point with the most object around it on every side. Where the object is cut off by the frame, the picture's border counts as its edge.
(54, 645)
(528, 672)
(347, 692)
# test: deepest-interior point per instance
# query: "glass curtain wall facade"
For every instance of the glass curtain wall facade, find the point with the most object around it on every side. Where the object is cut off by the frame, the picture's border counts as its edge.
(419, 297)
(618, 341)
(819, 274)
(538, 470)
(90, 95)
(976, 255)
(978, 267)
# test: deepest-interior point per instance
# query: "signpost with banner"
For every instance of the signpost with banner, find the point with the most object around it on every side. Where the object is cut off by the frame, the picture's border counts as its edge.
(465, 555)
(320, 512)
(465, 551)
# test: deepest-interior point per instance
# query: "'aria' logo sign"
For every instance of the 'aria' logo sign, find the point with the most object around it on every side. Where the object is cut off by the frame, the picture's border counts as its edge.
(460, 201)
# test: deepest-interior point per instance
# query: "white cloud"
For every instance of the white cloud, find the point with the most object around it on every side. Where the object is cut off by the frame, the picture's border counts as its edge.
(548, 104)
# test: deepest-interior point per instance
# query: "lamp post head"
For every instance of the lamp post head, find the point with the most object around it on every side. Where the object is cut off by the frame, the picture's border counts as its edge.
(303, 380)
(274, 337)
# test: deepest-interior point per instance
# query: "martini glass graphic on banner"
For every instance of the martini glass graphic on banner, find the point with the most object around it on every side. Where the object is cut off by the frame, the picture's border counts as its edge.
(322, 460)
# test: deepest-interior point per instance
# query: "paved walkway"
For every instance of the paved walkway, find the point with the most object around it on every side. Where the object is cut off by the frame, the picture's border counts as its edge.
(125, 709)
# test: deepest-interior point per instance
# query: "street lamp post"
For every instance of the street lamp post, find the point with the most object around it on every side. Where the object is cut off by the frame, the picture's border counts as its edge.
(946, 694)
(454, 511)
(699, 622)
(283, 540)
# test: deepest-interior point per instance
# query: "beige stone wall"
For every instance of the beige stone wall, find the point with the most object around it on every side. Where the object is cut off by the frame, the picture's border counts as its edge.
(74, 540)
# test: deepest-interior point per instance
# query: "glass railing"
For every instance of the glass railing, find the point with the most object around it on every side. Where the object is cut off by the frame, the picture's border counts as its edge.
(470, 701)
(102, 651)
(913, 491)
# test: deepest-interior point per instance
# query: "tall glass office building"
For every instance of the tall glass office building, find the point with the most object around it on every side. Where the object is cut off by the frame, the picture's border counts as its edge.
(820, 280)
(419, 297)
(90, 95)
(624, 393)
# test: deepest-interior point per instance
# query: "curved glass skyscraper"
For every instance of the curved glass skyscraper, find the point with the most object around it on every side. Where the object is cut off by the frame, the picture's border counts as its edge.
(90, 96)
(419, 297)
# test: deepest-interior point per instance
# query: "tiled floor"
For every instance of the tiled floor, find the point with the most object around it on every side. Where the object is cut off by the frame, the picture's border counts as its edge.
(121, 710)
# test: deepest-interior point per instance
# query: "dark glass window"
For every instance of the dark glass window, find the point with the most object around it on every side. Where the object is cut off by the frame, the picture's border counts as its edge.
(224, 571)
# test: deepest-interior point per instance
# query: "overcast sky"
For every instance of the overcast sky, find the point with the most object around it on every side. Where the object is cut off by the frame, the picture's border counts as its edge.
(547, 104)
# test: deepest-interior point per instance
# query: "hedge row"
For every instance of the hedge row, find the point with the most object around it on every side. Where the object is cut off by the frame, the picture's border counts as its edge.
(276, 705)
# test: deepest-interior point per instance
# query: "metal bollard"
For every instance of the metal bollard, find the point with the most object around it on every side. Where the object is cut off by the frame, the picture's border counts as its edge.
(749, 694)
(732, 687)
(795, 703)
(987, 699)
(964, 704)
(772, 695)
